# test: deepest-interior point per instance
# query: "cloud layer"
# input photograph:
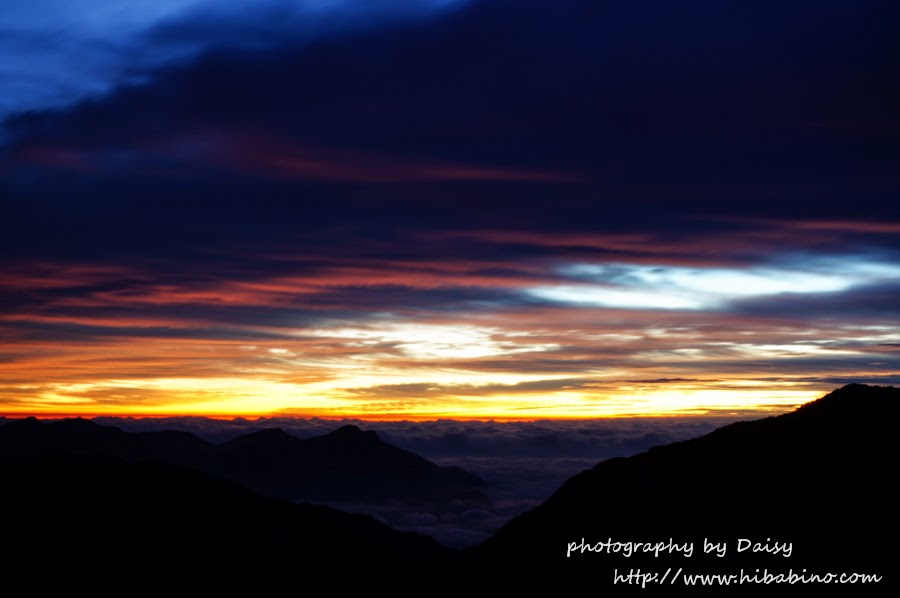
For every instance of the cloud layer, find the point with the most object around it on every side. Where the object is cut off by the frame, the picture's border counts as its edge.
(522, 463)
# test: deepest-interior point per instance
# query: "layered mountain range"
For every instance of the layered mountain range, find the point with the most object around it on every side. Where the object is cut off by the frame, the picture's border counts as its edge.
(348, 464)
(814, 491)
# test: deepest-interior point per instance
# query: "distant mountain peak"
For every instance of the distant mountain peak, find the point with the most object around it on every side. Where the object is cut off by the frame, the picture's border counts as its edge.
(348, 463)
(348, 429)
(351, 431)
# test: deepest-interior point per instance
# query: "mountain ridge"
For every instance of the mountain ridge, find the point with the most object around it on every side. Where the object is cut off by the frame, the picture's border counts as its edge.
(823, 477)
(346, 464)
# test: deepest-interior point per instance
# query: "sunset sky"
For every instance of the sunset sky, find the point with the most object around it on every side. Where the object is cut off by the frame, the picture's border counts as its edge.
(446, 208)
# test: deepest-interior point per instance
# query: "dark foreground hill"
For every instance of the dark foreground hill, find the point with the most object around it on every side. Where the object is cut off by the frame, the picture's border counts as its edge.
(814, 491)
(347, 464)
(101, 518)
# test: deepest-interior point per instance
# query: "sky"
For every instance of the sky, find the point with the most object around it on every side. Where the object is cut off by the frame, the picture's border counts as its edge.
(420, 209)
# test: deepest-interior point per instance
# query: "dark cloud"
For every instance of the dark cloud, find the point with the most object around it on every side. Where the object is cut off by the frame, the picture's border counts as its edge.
(866, 302)
(725, 98)
(60, 52)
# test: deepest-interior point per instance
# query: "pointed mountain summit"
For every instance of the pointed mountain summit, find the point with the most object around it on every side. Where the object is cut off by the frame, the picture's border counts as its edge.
(823, 478)
(351, 437)
(350, 430)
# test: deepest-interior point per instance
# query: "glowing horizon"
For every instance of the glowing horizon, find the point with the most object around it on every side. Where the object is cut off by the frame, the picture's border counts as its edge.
(681, 404)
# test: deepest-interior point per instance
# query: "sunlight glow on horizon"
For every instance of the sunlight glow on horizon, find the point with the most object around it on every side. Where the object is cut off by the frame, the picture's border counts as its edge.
(236, 397)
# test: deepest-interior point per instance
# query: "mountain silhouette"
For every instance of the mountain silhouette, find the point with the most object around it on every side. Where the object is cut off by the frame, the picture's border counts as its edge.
(810, 492)
(347, 464)
(823, 478)
(102, 516)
